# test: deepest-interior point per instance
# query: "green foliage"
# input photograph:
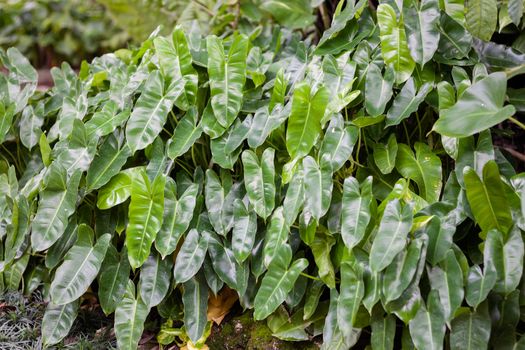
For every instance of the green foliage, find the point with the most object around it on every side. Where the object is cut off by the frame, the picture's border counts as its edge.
(354, 182)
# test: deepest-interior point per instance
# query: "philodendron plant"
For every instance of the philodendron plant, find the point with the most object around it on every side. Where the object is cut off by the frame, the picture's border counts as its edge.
(348, 189)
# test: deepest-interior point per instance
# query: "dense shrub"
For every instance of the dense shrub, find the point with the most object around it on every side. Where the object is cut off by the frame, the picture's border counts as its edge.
(346, 189)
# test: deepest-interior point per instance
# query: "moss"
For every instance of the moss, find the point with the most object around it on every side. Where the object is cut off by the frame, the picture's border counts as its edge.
(243, 333)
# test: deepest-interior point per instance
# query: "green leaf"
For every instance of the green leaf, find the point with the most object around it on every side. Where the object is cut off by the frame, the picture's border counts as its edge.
(259, 179)
(391, 236)
(383, 332)
(447, 280)
(112, 155)
(321, 246)
(470, 330)
(394, 46)
(195, 300)
(227, 74)
(219, 202)
(317, 187)
(57, 203)
(145, 216)
(264, 123)
(478, 108)
(481, 18)
(487, 198)
(352, 292)
(313, 294)
(155, 278)
(186, 133)
(30, 125)
(304, 123)
(277, 282)
(407, 102)
(244, 231)
(130, 316)
(57, 321)
(424, 169)
(6, 119)
(190, 256)
(80, 267)
(224, 263)
(14, 272)
(378, 89)
(294, 199)
(178, 214)
(455, 41)
(505, 256)
(117, 190)
(385, 155)
(428, 327)
(292, 14)
(276, 236)
(175, 62)
(421, 24)
(338, 142)
(149, 113)
(113, 278)
(479, 284)
(399, 274)
(355, 210)
(106, 120)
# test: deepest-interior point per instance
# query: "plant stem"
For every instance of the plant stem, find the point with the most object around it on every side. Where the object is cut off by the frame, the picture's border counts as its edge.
(517, 122)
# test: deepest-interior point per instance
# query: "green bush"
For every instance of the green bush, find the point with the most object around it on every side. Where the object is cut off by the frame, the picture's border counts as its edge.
(348, 189)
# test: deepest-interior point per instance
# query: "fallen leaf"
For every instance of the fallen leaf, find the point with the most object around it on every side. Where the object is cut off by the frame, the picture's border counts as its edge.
(220, 305)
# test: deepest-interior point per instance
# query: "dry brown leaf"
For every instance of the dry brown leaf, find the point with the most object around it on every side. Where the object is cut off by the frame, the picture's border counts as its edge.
(220, 305)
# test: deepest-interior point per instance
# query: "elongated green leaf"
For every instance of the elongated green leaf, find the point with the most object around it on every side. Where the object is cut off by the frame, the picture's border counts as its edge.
(145, 216)
(277, 282)
(113, 278)
(478, 108)
(422, 30)
(352, 292)
(190, 257)
(479, 284)
(391, 236)
(470, 330)
(424, 169)
(481, 18)
(80, 267)
(398, 275)
(175, 63)
(107, 163)
(219, 202)
(264, 123)
(155, 277)
(355, 210)
(321, 246)
(178, 214)
(185, 135)
(304, 124)
(227, 74)
(259, 179)
(57, 321)
(317, 187)
(149, 113)
(195, 299)
(378, 89)
(455, 41)
(428, 327)
(394, 46)
(406, 102)
(130, 316)
(338, 142)
(224, 263)
(57, 203)
(276, 236)
(383, 332)
(487, 198)
(244, 231)
(14, 272)
(117, 190)
(447, 280)
(505, 256)
(31, 124)
(294, 199)
(385, 155)
(105, 121)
